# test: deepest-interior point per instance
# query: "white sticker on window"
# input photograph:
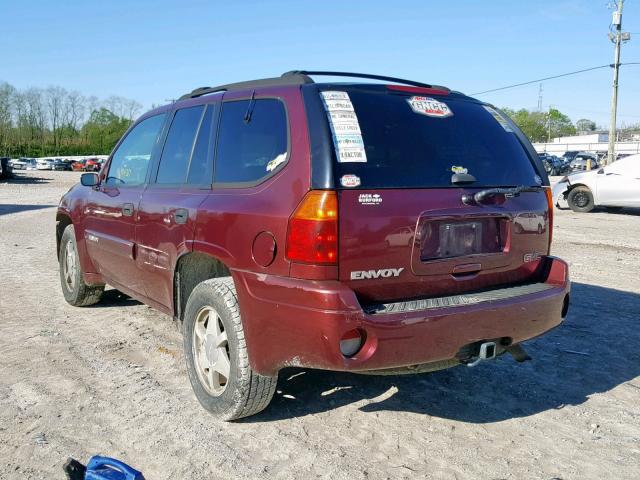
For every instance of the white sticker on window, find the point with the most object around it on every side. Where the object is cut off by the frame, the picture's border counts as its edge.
(430, 107)
(499, 118)
(273, 164)
(329, 95)
(347, 137)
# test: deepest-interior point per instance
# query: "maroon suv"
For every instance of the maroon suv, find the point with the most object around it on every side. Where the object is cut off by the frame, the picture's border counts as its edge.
(365, 227)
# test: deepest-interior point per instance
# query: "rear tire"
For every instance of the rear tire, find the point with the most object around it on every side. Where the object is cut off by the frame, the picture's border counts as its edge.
(216, 354)
(76, 292)
(580, 199)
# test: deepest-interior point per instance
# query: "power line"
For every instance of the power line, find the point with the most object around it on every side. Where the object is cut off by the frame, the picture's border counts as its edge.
(552, 77)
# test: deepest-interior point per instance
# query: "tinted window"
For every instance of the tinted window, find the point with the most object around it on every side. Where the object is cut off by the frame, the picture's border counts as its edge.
(130, 161)
(251, 150)
(177, 149)
(408, 149)
(201, 166)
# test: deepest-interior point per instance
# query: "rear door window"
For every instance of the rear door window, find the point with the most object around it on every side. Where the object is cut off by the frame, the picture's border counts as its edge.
(405, 141)
(174, 162)
(201, 165)
(252, 140)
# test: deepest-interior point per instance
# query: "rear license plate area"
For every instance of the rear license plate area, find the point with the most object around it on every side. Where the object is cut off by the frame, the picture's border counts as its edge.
(443, 239)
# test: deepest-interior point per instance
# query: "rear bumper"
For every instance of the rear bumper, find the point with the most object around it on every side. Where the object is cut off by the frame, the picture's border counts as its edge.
(293, 322)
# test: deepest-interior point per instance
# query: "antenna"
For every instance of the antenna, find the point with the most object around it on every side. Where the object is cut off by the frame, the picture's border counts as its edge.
(540, 97)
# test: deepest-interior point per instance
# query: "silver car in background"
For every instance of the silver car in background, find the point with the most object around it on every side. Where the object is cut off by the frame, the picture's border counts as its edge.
(614, 186)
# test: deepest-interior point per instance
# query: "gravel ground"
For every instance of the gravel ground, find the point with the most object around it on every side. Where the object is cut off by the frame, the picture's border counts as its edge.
(111, 380)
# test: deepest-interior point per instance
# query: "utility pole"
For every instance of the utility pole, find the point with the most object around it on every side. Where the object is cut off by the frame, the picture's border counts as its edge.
(549, 125)
(616, 38)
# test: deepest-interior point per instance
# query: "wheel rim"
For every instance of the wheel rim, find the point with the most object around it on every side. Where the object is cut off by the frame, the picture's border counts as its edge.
(581, 199)
(211, 351)
(69, 266)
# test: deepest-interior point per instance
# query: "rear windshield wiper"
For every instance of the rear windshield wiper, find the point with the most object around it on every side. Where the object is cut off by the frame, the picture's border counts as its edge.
(483, 195)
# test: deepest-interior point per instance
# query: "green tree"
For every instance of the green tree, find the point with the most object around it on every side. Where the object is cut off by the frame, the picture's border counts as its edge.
(537, 125)
(585, 125)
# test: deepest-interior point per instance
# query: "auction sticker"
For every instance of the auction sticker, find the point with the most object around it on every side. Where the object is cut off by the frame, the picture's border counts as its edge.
(430, 107)
(350, 181)
(345, 128)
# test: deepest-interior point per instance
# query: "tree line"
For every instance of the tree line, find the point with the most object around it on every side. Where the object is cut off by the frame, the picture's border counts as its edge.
(541, 126)
(38, 122)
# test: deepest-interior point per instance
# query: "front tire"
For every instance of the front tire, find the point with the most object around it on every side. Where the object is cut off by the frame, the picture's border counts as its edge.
(76, 292)
(580, 199)
(216, 354)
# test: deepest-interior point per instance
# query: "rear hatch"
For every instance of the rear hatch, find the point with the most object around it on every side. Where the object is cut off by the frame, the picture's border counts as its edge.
(405, 231)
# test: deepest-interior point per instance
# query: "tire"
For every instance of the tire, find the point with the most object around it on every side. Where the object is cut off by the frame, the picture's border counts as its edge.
(580, 199)
(75, 291)
(243, 392)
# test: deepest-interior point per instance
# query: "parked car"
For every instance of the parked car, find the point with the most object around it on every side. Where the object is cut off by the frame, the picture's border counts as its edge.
(552, 164)
(613, 186)
(570, 155)
(93, 165)
(260, 259)
(62, 164)
(44, 164)
(78, 165)
(30, 163)
(584, 161)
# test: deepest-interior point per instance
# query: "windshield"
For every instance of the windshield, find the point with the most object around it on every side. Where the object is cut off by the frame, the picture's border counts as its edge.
(409, 141)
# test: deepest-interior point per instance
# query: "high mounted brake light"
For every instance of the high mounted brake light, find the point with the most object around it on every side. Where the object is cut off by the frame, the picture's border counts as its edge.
(418, 90)
(312, 236)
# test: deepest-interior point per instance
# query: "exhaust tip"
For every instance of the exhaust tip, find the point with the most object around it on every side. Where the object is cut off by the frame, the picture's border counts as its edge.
(352, 341)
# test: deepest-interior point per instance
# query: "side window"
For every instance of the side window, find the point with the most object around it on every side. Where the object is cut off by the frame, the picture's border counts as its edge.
(177, 149)
(201, 166)
(130, 161)
(249, 150)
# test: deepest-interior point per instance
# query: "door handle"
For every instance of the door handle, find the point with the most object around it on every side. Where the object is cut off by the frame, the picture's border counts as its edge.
(127, 209)
(181, 215)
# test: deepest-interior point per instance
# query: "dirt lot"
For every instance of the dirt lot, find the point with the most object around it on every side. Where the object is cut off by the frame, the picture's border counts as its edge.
(111, 380)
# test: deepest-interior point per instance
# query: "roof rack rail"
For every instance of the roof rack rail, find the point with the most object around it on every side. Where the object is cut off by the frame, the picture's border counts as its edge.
(361, 75)
(293, 79)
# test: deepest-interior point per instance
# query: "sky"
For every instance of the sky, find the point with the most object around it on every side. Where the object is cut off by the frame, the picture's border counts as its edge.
(154, 51)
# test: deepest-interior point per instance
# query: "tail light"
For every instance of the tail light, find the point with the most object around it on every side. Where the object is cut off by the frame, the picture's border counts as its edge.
(547, 191)
(312, 236)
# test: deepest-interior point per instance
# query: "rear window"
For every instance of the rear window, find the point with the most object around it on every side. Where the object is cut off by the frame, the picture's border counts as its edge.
(405, 141)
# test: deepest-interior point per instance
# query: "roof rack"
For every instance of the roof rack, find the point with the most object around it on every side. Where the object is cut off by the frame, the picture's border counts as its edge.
(299, 77)
(294, 79)
(361, 75)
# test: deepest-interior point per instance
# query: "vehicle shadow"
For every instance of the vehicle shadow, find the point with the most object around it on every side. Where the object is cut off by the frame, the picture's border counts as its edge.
(595, 350)
(26, 179)
(622, 211)
(115, 298)
(617, 211)
(13, 208)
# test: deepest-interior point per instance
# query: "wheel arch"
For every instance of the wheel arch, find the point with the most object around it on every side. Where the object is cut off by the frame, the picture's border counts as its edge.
(63, 220)
(191, 269)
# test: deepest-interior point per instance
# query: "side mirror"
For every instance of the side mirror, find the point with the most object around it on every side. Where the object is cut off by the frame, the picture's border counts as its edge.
(601, 171)
(89, 179)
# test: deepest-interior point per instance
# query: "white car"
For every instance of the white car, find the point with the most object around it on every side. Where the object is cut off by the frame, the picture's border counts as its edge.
(18, 164)
(614, 186)
(44, 164)
(30, 163)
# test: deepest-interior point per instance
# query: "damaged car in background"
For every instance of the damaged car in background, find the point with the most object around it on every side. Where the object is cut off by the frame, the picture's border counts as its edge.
(614, 187)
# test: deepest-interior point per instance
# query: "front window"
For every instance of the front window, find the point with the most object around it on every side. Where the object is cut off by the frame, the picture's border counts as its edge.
(130, 162)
